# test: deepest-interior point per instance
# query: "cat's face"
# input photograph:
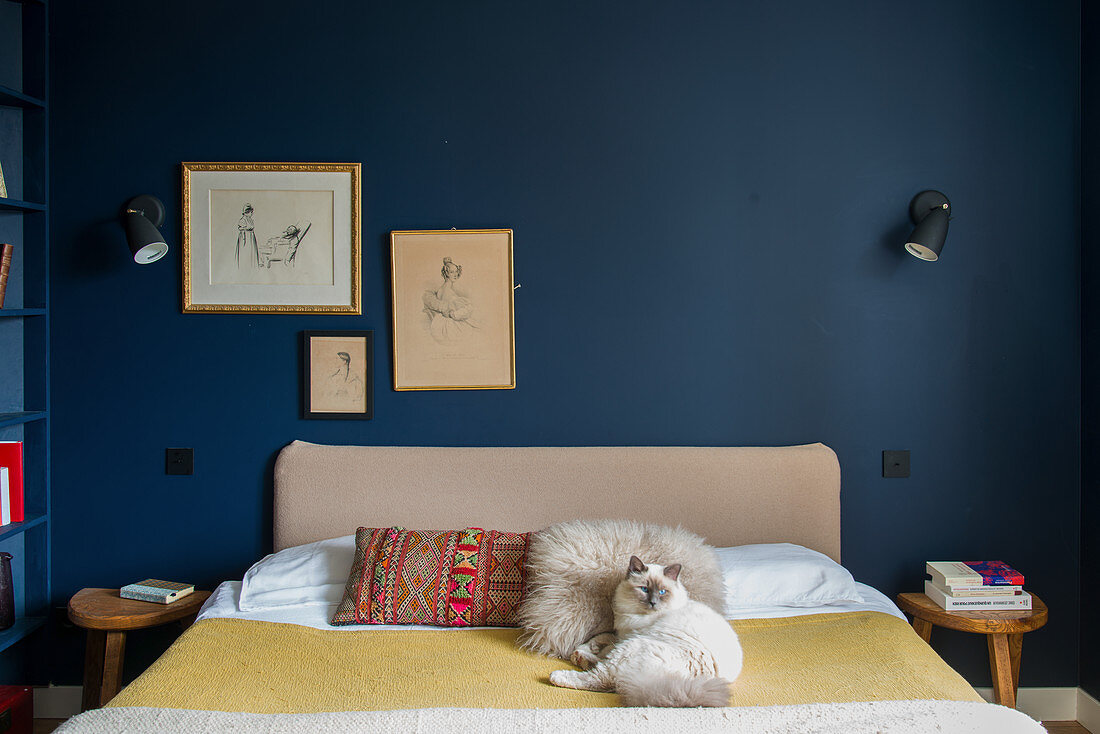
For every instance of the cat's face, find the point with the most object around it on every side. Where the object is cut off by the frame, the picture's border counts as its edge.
(652, 588)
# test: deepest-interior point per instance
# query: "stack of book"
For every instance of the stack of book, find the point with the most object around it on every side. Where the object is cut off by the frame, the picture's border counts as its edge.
(979, 585)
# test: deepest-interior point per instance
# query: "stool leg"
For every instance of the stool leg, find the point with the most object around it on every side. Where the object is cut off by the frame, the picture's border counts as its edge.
(112, 666)
(923, 628)
(1015, 649)
(1000, 666)
(94, 650)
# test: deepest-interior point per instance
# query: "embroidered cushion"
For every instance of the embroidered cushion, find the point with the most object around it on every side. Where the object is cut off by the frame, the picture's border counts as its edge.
(450, 578)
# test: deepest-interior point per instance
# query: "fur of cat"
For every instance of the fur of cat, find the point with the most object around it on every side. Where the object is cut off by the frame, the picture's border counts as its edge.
(667, 650)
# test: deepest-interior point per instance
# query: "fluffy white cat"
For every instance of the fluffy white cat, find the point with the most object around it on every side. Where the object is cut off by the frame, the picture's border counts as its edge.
(667, 650)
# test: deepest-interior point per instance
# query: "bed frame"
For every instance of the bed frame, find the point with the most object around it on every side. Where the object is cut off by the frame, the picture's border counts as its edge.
(731, 496)
(728, 495)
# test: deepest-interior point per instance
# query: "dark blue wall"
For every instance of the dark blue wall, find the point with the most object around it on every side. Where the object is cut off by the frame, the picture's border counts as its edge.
(708, 201)
(1090, 322)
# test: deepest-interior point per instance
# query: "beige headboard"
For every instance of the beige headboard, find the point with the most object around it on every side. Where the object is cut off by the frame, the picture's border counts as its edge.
(731, 496)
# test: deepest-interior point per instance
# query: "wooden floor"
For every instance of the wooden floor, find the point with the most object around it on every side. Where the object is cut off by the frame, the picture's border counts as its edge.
(45, 726)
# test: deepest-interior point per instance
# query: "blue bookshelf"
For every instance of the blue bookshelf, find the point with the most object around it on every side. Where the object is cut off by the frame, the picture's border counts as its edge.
(13, 98)
(24, 315)
(15, 528)
(20, 417)
(24, 625)
(25, 206)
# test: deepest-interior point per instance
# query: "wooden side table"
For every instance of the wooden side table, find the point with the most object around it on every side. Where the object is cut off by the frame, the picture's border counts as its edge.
(108, 617)
(1004, 633)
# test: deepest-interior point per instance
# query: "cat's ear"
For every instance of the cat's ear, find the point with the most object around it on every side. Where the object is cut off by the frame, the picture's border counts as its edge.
(636, 565)
(673, 571)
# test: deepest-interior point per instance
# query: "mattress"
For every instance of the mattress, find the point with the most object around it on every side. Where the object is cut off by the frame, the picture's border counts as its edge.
(269, 667)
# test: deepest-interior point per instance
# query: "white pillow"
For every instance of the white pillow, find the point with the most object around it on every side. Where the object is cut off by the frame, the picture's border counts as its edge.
(783, 575)
(314, 573)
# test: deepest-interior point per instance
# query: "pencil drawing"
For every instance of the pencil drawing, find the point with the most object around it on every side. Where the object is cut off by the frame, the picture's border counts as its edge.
(449, 310)
(283, 247)
(344, 387)
(247, 254)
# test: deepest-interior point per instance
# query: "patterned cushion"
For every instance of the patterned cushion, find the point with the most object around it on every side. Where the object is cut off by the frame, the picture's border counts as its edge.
(449, 578)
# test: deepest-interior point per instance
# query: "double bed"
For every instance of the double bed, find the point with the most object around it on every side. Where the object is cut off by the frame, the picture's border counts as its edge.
(815, 664)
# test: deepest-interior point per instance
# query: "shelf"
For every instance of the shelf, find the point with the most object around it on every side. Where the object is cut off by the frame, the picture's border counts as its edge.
(25, 346)
(15, 528)
(13, 312)
(23, 627)
(14, 419)
(12, 98)
(22, 206)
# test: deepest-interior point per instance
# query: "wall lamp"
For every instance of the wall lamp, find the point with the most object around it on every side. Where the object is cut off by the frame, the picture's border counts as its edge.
(930, 211)
(141, 217)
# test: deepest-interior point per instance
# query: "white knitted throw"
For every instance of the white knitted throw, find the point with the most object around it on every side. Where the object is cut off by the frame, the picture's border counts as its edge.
(880, 717)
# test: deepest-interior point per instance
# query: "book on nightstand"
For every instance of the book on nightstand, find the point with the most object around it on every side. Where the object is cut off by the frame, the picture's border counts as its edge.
(155, 590)
(1019, 601)
(959, 574)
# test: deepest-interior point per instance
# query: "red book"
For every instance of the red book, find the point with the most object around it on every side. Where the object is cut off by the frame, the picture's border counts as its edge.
(11, 456)
(971, 574)
(993, 573)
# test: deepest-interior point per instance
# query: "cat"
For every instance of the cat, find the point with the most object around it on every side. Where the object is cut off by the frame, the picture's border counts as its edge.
(667, 649)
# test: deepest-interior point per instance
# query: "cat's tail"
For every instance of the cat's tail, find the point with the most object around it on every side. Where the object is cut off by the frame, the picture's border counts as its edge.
(672, 690)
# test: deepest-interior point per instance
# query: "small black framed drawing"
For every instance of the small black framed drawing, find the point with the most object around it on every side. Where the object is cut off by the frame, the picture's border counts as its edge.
(337, 374)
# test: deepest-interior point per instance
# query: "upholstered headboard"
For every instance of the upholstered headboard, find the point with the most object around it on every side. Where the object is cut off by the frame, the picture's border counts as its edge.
(731, 496)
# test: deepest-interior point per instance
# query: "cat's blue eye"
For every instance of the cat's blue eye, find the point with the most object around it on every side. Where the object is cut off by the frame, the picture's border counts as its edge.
(662, 592)
(644, 588)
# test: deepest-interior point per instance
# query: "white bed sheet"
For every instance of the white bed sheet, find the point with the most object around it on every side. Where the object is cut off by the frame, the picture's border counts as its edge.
(223, 603)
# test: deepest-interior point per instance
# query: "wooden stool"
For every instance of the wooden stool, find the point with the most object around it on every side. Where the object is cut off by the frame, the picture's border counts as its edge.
(108, 617)
(1004, 633)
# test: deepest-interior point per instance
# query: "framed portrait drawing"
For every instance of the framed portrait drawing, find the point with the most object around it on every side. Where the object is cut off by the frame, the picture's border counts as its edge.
(271, 238)
(337, 374)
(453, 323)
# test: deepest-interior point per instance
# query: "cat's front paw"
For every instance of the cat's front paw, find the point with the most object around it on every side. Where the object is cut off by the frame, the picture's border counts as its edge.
(583, 660)
(563, 678)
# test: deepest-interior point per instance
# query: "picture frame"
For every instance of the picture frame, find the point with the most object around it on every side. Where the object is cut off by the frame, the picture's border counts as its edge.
(453, 309)
(338, 375)
(272, 238)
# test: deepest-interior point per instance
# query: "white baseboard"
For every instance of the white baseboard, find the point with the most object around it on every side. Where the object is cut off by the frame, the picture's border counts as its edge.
(1042, 704)
(57, 702)
(1088, 711)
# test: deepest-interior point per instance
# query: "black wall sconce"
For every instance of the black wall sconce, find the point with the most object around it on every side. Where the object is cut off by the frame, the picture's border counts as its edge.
(930, 211)
(142, 217)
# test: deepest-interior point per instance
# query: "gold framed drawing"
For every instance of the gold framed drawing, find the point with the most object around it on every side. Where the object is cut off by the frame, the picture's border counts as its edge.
(271, 238)
(453, 314)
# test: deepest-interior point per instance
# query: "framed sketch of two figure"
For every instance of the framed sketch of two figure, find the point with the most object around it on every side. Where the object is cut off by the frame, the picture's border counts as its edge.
(271, 238)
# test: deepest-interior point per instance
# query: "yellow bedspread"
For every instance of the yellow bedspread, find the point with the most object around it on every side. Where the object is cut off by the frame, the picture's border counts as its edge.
(264, 667)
